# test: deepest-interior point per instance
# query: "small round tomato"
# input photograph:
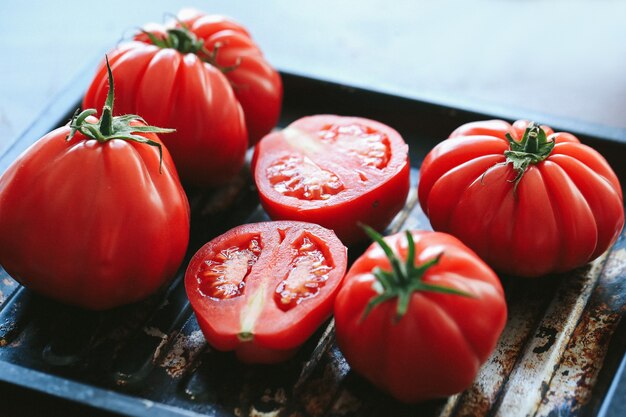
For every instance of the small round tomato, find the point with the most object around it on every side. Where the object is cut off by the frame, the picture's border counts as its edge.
(334, 171)
(203, 76)
(93, 214)
(418, 314)
(529, 201)
(262, 289)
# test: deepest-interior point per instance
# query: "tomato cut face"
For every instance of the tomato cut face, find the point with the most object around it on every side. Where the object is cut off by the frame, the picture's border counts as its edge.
(262, 289)
(224, 275)
(334, 171)
(308, 272)
(299, 177)
(369, 145)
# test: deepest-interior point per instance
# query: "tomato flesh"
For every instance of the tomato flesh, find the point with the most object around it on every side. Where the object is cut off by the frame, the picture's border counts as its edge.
(224, 275)
(262, 289)
(299, 177)
(335, 171)
(309, 271)
(368, 145)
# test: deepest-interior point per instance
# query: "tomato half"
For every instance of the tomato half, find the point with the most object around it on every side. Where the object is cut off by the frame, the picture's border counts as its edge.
(203, 76)
(93, 214)
(262, 289)
(532, 203)
(334, 171)
(419, 327)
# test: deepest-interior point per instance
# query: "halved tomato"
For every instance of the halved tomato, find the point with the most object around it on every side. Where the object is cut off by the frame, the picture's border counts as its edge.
(262, 289)
(334, 171)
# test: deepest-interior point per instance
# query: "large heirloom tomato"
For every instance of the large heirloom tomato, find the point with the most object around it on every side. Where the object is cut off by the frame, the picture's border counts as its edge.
(335, 171)
(203, 76)
(418, 314)
(529, 201)
(257, 85)
(93, 214)
(262, 289)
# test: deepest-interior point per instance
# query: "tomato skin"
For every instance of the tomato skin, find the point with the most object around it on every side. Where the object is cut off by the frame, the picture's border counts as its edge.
(256, 84)
(216, 113)
(438, 346)
(565, 211)
(89, 224)
(252, 323)
(178, 91)
(374, 203)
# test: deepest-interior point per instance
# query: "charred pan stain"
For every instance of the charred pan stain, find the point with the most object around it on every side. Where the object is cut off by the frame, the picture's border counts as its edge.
(183, 353)
(8, 330)
(547, 333)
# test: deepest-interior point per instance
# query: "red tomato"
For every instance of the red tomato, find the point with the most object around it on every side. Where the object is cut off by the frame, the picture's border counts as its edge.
(257, 85)
(196, 78)
(334, 171)
(420, 325)
(262, 289)
(536, 203)
(97, 219)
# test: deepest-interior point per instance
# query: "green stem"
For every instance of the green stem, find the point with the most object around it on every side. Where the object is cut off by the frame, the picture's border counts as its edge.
(110, 127)
(185, 41)
(404, 279)
(106, 121)
(533, 148)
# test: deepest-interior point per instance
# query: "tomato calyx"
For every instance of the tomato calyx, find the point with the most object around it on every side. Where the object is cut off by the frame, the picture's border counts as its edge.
(179, 38)
(404, 279)
(185, 41)
(118, 127)
(533, 148)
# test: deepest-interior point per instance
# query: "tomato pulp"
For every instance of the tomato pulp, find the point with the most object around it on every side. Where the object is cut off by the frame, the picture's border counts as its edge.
(334, 171)
(262, 289)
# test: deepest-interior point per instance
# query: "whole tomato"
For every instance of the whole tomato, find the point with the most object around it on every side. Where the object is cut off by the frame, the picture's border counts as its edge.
(227, 44)
(418, 314)
(93, 214)
(529, 201)
(203, 76)
(262, 289)
(335, 171)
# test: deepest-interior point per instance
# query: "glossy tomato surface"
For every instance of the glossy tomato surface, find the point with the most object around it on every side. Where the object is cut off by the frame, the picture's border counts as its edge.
(437, 347)
(560, 214)
(256, 83)
(92, 224)
(208, 84)
(262, 289)
(335, 171)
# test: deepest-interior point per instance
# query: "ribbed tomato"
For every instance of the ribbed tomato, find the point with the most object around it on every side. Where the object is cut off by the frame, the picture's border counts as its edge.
(418, 314)
(335, 171)
(529, 201)
(256, 83)
(203, 76)
(262, 289)
(93, 214)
